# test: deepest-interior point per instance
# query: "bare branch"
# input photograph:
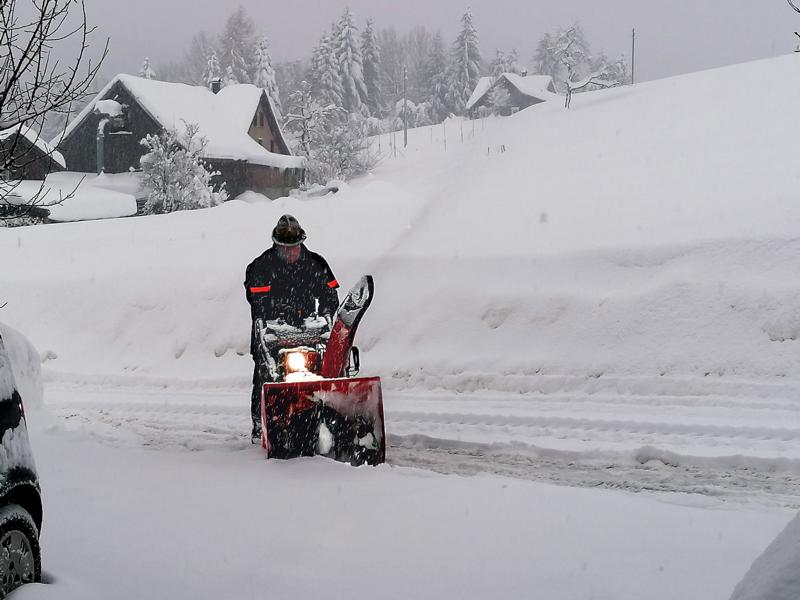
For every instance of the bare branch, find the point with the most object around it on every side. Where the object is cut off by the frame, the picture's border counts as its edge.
(34, 84)
(793, 5)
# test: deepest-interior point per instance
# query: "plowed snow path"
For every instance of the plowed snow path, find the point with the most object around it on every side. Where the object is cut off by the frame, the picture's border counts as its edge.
(731, 442)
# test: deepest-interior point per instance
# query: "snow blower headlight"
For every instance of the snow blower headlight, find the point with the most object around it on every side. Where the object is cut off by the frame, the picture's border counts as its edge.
(296, 362)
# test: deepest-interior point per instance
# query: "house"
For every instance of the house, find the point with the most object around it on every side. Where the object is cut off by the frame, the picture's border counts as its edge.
(24, 155)
(244, 141)
(523, 91)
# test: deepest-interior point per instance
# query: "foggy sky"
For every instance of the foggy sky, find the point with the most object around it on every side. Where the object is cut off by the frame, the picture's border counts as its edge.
(674, 36)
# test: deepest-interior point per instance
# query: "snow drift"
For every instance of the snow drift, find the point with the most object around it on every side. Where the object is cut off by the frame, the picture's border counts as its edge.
(649, 230)
(776, 573)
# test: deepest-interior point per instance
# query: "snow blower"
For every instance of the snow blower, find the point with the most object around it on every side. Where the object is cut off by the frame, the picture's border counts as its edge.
(316, 404)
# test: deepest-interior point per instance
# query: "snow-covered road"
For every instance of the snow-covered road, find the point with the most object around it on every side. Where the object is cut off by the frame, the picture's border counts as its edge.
(734, 441)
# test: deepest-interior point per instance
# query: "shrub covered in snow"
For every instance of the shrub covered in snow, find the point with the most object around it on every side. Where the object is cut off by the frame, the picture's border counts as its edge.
(174, 174)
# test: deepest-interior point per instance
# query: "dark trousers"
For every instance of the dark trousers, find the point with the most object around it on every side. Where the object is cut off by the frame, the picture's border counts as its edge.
(260, 377)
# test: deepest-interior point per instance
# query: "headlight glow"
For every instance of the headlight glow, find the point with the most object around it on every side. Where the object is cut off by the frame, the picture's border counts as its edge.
(295, 361)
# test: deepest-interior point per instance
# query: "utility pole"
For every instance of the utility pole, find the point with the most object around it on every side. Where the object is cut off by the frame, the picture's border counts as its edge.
(633, 57)
(405, 106)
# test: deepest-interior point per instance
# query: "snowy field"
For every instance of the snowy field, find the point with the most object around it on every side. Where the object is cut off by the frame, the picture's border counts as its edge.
(600, 298)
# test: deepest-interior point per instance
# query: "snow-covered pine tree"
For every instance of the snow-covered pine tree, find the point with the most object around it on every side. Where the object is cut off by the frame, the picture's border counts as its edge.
(436, 76)
(146, 70)
(229, 78)
(465, 66)
(505, 63)
(392, 60)
(348, 56)
(329, 79)
(499, 100)
(236, 45)
(213, 70)
(194, 67)
(371, 57)
(498, 64)
(544, 63)
(174, 174)
(264, 76)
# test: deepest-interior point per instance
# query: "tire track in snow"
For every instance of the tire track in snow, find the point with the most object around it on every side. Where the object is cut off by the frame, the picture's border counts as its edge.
(644, 454)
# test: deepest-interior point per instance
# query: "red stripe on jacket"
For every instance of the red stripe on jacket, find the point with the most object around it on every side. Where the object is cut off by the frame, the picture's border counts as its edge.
(260, 290)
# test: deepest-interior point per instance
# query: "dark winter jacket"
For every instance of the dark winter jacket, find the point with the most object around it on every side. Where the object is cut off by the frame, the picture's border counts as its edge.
(276, 288)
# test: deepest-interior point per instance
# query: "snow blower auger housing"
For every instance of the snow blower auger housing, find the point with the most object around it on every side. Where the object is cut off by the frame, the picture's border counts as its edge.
(316, 403)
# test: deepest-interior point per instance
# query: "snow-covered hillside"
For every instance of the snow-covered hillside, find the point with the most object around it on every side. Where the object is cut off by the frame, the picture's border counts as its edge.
(650, 230)
(600, 297)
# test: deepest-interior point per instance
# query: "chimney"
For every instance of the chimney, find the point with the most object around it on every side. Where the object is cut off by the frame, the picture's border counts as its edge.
(524, 72)
(216, 85)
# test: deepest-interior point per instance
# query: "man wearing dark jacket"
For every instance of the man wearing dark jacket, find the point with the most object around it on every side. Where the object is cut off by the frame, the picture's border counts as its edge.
(285, 282)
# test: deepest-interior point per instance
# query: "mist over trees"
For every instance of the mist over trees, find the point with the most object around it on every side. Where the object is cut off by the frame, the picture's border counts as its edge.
(355, 81)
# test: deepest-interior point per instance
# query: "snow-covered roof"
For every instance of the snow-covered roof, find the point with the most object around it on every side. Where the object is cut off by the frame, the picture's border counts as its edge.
(30, 135)
(535, 86)
(223, 119)
(484, 85)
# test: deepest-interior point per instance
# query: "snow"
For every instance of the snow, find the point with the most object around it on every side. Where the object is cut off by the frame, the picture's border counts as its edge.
(7, 385)
(85, 196)
(484, 85)
(536, 86)
(224, 118)
(294, 528)
(776, 573)
(110, 108)
(30, 135)
(610, 305)
(26, 366)
(15, 449)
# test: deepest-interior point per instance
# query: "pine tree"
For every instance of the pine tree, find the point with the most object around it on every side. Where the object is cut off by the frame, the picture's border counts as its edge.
(348, 56)
(436, 77)
(371, 56)
(465, 66)
(230, 77)
(264, 76)
(329, 80)
(147, 71)
(505, 63)
(213, 70)
(236, 45)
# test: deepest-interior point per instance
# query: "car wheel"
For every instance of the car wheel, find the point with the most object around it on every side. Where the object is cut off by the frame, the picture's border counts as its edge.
(20, 557)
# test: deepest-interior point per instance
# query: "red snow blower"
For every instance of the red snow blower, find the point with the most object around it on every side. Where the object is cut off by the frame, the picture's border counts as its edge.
(317, 405)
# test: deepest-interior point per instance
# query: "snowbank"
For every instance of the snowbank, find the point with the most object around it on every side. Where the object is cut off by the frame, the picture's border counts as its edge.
(647, 231)
(776, 573)
(26, 364)
(73, 196)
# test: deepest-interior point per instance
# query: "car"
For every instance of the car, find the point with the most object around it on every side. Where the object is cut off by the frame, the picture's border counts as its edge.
(20, 493)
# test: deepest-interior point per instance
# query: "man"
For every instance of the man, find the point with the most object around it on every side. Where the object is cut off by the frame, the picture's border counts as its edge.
(285, 282)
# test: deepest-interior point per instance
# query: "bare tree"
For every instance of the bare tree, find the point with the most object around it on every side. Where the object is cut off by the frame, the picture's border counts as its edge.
(573, 57)
(36, 81)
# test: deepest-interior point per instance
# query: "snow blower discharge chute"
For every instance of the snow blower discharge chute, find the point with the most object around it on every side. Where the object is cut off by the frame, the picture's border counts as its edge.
(316, 403)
